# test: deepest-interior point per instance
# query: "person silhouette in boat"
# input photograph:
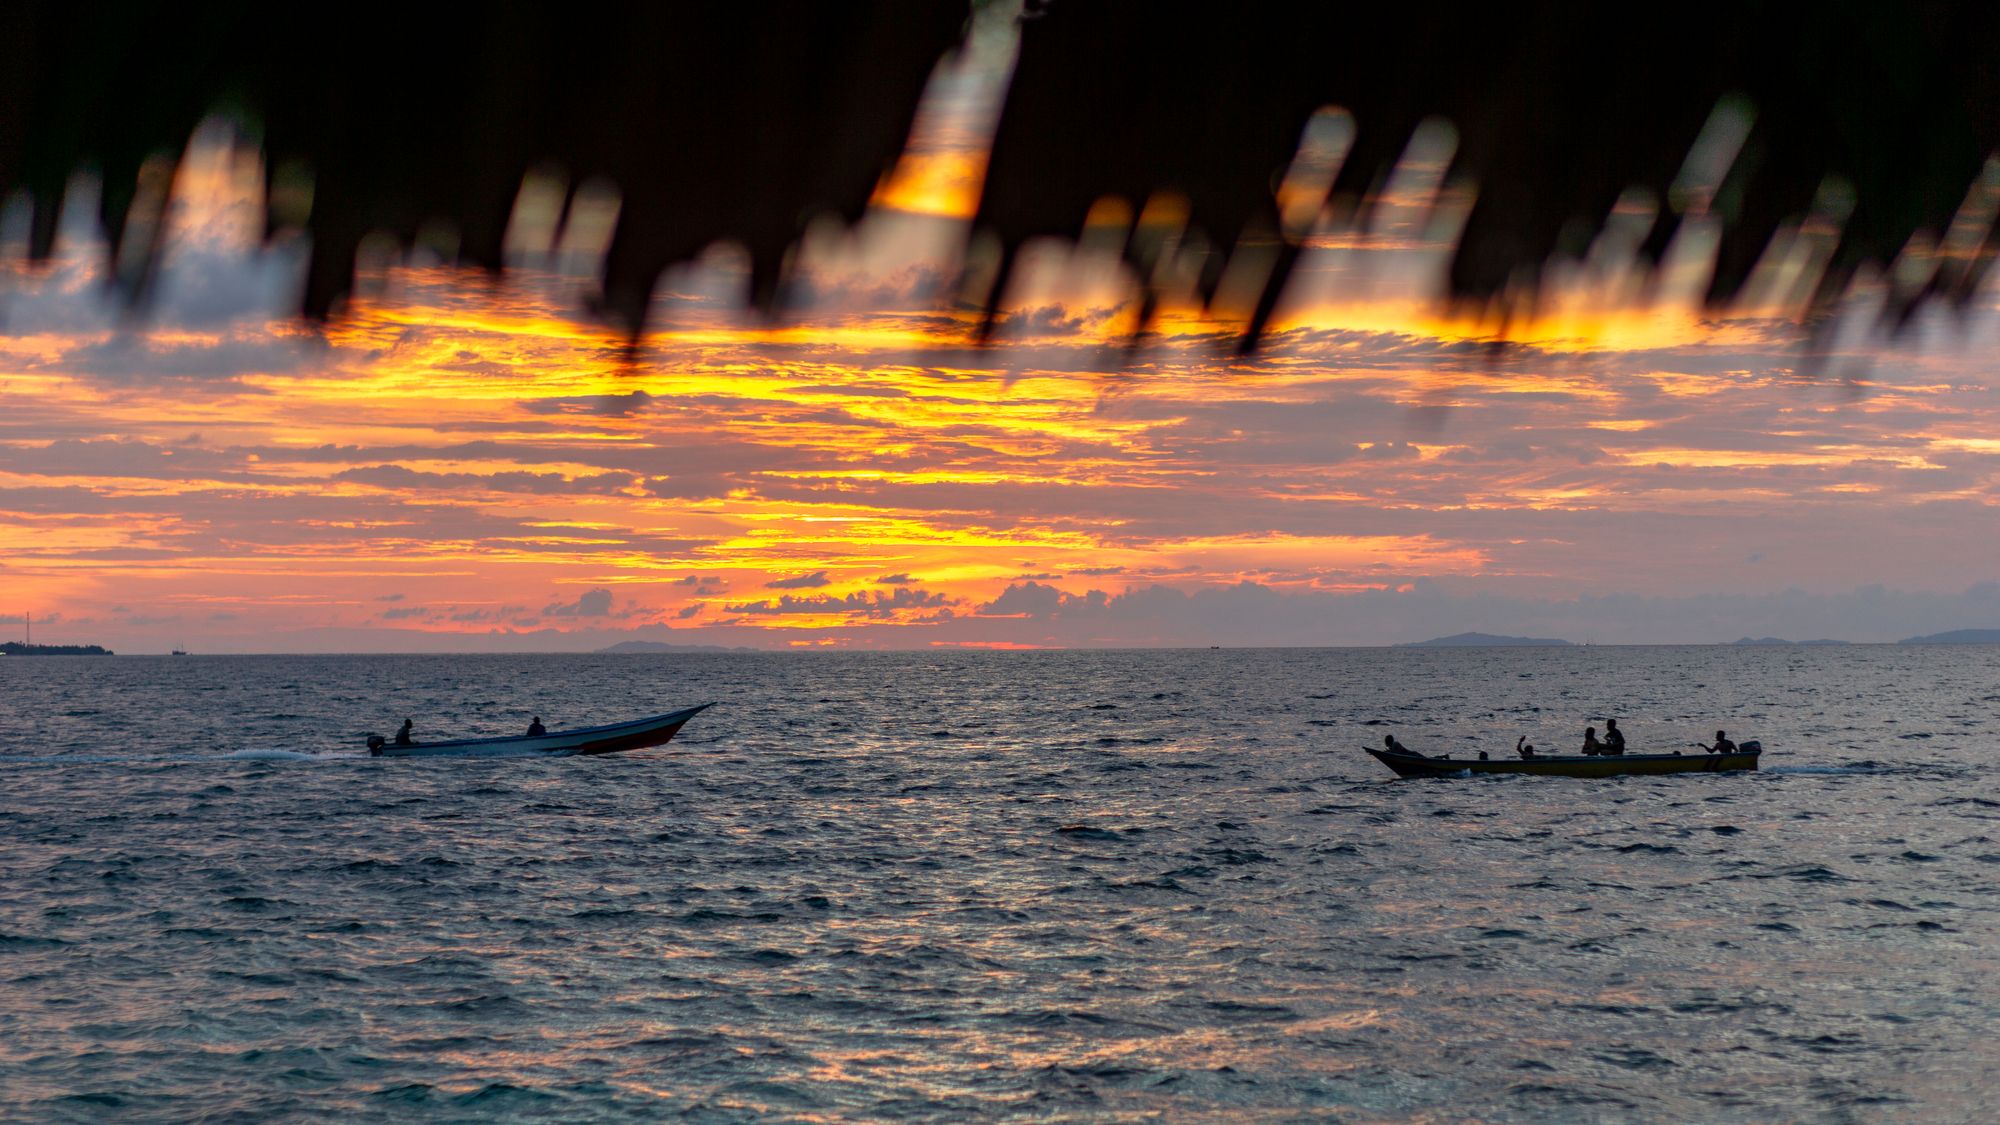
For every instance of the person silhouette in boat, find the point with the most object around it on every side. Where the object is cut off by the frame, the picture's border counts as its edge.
(1722, 745)
(1614, 739)
(536, 728)
(403, 735)
(1389, 740)
(1523, 747)
(1590, 743)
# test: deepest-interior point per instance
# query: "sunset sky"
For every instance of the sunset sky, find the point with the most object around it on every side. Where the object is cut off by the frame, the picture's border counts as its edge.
(460, 465)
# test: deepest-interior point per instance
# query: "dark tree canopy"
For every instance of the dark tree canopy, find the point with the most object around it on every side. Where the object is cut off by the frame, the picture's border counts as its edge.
(1560, 107)
(742, 120)
(731, 120)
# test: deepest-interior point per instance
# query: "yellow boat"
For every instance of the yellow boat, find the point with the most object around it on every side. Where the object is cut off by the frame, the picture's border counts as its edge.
(1408, 764)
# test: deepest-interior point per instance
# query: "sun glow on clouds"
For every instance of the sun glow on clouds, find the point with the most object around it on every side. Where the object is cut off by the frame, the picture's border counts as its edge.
(454, 463)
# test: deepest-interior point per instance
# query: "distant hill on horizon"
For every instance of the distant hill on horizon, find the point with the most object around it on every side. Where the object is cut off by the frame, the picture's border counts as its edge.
(1957, 637)
(1482, 640)
(1783, 641)
(16, 648)
(662, 646)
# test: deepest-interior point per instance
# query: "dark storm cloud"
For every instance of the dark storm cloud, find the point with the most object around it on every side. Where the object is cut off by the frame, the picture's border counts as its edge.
(1034, 599)
(1354, 348)
(593, 603)
(145, 359)
(398, 477)
(689, 486)
(1522, 452)
(860, 603)
(480, 615)
(1388, 451)
(123, 457)
(861, 390)
(1054, 320)
(800, 582)
(247, 522)
(603, 406)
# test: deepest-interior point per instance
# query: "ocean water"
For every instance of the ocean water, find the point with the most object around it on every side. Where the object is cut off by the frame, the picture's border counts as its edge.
(949, 886)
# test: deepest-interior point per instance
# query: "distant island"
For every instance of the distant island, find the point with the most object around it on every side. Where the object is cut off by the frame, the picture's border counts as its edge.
(1958, 637)
(1783, 641)
(659, 646)
(1481, 640)
(16, 648)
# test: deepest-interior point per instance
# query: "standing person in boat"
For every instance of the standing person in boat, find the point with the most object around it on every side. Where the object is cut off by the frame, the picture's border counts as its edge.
(536, 728)
(403, 735)
(1590, 743)
(1614, 739)
(1523, 747)
(1722, 745)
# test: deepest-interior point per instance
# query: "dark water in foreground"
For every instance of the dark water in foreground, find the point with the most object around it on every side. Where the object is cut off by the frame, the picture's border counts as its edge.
(944, 886)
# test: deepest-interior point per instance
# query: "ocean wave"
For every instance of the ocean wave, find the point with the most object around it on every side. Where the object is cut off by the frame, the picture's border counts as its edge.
(828, 912)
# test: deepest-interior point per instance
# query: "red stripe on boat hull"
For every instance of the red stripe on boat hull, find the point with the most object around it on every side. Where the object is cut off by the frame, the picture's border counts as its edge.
(658, 736)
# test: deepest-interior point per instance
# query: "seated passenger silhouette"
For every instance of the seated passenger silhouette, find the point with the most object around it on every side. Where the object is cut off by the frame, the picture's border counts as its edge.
(1590, 743)
(1722, 745)
(403, 736)
(1523, 747)
(1395, 747)
(1614, 739)
(536, 727)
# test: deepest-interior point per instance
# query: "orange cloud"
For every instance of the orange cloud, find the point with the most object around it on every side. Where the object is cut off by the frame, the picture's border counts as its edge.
(454, 457)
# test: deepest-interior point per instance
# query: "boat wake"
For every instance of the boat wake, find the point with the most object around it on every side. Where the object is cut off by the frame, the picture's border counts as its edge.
(252, 754)
(272, 754)
(258, 754)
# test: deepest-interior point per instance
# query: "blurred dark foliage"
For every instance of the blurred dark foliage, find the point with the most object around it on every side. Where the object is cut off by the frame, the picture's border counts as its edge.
(1560, 107)
(741, 120)
(738, 120)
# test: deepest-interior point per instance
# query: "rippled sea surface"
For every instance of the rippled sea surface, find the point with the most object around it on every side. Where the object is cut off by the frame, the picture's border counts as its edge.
(1093, 885)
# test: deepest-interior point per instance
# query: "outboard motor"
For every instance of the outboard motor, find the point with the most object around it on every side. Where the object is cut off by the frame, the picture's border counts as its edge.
(375, 744)
(1751, 747)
